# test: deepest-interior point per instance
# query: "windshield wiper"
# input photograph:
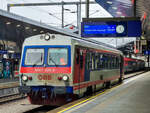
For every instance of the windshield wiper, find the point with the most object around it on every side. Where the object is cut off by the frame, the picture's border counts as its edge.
(53, 61)
(35, 64)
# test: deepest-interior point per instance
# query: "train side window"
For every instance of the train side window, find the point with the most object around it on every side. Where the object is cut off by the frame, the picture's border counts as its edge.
(116, 64)
(113, 62)
(101, 61)
(106, 61)
(77, 55)
(109, 62)
(89, 61)
(93, 61)
(96, 61)
(119, 62)
(81, 59)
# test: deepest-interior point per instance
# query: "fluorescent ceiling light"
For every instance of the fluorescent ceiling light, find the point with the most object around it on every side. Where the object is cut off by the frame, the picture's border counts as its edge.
(118, 12)
(109, 2)
(8, 23)
(26, 28)
(18, 25)
(41, 31)
(115, 8)
(34, 29)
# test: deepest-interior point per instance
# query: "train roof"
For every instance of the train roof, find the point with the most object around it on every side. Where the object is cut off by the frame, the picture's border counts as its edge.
(81, 41)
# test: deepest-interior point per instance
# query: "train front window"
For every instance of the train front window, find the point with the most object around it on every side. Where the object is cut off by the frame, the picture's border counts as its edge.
(58, 56)
(34, 57)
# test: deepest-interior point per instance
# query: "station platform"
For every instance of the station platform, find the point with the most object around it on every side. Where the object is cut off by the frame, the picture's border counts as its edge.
(9, 87)
(132, 96)
(9, 83)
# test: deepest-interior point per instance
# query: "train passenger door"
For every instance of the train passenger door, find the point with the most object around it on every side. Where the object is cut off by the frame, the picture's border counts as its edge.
(79, 66)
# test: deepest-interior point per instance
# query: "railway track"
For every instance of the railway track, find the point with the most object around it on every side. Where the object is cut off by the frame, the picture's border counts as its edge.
(11, 98)
(10, 94)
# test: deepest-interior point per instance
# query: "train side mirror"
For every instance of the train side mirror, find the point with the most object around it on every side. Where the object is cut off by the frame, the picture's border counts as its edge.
(77, 56)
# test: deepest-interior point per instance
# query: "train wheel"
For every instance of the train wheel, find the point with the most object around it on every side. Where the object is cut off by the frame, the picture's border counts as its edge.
(108, 85)
(120, 80)
(89, 91)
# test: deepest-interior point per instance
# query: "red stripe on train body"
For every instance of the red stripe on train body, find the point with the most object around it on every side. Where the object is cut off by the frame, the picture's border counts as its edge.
(45, 70)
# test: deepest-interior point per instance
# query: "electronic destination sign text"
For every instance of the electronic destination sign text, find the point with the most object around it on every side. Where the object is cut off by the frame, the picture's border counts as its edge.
(111, 29)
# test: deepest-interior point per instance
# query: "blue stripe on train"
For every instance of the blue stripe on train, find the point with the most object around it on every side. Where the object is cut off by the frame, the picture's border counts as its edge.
(56, 89)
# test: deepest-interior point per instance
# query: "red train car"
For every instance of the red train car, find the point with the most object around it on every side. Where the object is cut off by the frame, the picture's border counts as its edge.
(56, 69)
(132, 64)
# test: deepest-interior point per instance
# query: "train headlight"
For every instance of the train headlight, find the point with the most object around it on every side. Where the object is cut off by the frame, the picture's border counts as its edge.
(24, 78)
(47, 37)
(65, 78)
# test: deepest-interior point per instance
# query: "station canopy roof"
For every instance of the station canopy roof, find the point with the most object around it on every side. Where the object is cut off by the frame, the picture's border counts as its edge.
(16, 28)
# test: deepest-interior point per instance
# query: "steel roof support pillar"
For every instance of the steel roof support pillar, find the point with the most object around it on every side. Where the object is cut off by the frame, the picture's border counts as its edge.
(62, 15)
(79, 17)
(87, 9)
(134, 8)
(8, 8)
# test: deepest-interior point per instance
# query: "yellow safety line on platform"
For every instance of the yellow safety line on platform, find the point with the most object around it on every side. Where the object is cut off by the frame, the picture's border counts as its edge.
(84, 101)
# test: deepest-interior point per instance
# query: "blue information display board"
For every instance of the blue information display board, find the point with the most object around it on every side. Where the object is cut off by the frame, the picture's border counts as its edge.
(111, 29)
(147, 52)
(100, 29)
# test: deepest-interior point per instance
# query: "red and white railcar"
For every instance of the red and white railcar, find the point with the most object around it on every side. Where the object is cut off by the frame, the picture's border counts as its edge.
(56, 69)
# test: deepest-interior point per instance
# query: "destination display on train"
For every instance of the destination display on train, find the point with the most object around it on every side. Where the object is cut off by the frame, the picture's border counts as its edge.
(111, 29)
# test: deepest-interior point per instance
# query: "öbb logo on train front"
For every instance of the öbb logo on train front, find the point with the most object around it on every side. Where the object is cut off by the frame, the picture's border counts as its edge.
(44, 77)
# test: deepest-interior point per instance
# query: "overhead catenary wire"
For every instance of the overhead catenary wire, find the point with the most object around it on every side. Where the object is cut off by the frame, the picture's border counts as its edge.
(42, 10)
(53, 14)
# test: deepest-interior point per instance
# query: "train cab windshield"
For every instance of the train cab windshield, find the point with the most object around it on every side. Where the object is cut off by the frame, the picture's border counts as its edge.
(34, 56)
(46, 56)
(57, 56)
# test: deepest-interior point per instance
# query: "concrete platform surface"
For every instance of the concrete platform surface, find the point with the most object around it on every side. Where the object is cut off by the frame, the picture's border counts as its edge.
(9, 83)
(133, 96)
